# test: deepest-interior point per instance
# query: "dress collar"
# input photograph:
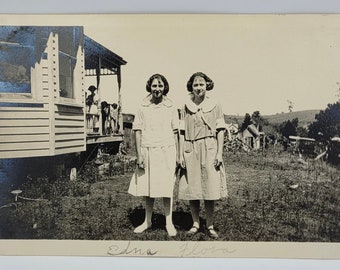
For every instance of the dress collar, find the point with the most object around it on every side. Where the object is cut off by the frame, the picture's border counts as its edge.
(167, 102)
(207, 105)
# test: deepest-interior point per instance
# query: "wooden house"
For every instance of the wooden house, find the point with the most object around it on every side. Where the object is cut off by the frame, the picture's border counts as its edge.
(42, 90)
(252, 137)
(231, 130)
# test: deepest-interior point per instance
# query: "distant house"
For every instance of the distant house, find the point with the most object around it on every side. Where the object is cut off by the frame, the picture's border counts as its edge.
(252, 137)
(231, 130)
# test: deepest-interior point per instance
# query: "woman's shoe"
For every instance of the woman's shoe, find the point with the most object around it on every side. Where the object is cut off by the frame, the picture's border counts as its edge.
(212, 233)
(141, 228)
(194, 229)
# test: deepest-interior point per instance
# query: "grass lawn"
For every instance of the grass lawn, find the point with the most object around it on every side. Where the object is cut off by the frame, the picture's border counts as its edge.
(272, 197)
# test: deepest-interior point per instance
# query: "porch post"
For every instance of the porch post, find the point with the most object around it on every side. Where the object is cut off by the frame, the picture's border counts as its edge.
(99, 118)
(120, 115)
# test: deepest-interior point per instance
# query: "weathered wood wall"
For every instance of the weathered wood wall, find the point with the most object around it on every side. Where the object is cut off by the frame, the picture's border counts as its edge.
(44, 124)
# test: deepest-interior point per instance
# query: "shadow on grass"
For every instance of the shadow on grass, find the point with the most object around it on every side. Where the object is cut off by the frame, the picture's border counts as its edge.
(182, 220)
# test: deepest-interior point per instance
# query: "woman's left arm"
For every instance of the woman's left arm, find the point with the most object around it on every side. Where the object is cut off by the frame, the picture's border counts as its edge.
(177, 147)
(220, 142)
(175, 128)
(220, 128)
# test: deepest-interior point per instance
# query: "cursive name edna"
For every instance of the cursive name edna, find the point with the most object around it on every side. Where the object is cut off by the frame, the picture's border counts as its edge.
(116, 250)
(196, 249)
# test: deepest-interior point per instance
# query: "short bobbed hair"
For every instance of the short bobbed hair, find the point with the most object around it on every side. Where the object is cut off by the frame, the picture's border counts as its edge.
(161, 78)
(210, 83)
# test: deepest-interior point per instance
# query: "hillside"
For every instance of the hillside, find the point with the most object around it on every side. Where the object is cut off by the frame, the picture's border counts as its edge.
(305, 117)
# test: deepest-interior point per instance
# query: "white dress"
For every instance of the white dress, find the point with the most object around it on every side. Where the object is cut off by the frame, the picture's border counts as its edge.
(157, 123)
(202, 179)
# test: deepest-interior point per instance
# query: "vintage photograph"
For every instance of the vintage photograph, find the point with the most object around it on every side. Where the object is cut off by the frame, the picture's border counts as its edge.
(171, 135)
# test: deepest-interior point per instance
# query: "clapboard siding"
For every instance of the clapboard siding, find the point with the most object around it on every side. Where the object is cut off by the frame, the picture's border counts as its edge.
(68, 143)
(23, 130)
(66, 150)
(70, 136)
(70, 117)
(25, 138)
(28, 123)
(35, 145)
(10, 115)
(69, 128)
(68, 123)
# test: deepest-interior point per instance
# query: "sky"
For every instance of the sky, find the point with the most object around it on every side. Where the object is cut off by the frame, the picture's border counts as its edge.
(257, 62)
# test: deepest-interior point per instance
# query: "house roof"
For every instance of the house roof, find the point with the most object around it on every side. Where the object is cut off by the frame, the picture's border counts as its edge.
(94, 51)
(253, 130)
(232, 125)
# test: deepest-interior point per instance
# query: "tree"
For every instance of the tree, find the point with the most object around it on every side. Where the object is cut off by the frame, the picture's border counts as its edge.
(295, 122)
(246, 122)
(258, 120)
(289, 128)
(326, 124)
(302, 131)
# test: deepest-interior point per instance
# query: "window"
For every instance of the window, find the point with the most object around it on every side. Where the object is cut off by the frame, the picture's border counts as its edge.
(17, 58)
(66, 68)
(68, 45)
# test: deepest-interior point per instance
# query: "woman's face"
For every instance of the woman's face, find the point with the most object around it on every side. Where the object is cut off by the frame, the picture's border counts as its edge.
(199, 87)
(157, 88)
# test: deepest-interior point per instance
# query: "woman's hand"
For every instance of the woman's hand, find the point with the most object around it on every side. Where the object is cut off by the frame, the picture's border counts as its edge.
(218, 160)
(182, 161)
(140, 162)
(178, 161)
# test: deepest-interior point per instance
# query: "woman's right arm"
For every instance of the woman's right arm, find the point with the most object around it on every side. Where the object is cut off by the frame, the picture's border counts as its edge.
(181, 149)
(181, 138)
(138, 127)
(140, 161)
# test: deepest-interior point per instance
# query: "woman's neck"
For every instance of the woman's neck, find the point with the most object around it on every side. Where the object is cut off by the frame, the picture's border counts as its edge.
(198, 100)
(156, 100)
